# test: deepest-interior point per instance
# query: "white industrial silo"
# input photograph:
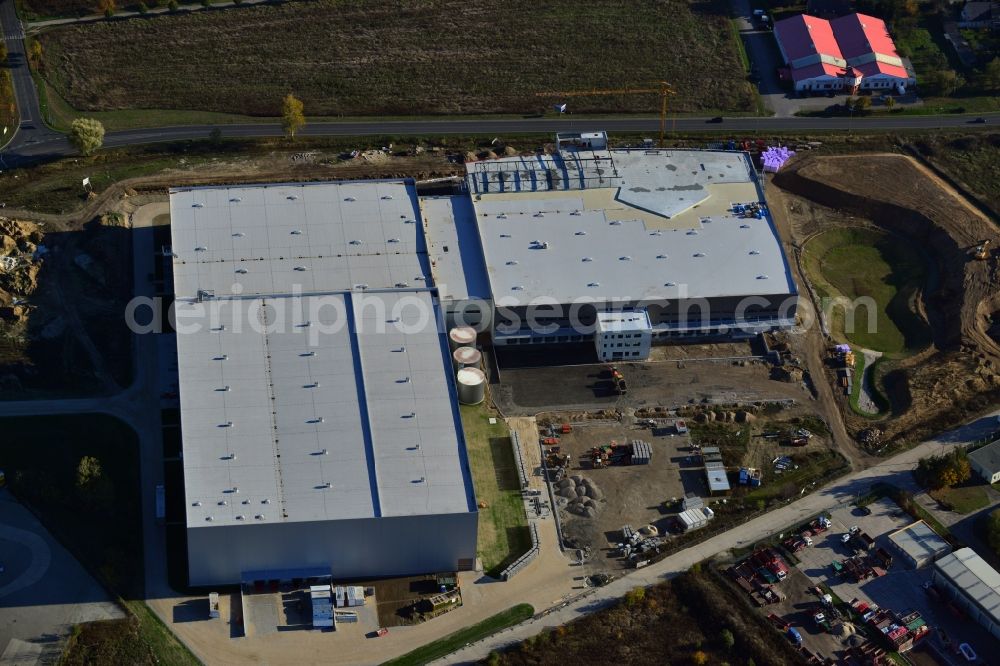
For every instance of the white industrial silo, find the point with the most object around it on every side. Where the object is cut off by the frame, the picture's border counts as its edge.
(461, 336)
(471, 386)
(466, 357)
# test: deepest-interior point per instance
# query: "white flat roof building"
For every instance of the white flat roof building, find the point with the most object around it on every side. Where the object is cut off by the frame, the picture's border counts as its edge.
(684, 234)
(319, 431)
(316, 237)
(973, 584)
(919, 544)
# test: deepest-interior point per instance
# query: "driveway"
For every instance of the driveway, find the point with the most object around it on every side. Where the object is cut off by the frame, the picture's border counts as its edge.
(44, 591)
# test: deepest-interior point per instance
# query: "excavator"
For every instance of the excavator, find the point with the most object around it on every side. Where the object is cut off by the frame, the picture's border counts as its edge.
(982, 251)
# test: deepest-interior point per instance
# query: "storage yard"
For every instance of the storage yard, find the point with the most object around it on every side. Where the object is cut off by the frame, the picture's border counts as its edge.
(845, 583)
(616, 475)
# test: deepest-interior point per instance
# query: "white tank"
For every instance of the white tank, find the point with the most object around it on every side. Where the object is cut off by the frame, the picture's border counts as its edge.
(461, 336)
(471, 386)
(466, 357)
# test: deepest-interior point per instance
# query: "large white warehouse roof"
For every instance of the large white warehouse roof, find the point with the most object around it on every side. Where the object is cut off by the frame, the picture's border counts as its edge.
(351, 415)
(275, 239)
(631, 225)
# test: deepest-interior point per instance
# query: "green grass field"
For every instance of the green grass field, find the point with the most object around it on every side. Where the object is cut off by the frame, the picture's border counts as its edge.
(411, 57)
(503, 525)
(888, 274)
(448, 644)
(963, 499)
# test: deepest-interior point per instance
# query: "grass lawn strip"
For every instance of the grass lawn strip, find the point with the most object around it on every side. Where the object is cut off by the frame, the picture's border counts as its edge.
(503, 525)
(962, 499)
(412, 57)
(448, 644)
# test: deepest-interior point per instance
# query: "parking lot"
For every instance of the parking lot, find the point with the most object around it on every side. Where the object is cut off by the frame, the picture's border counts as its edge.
(900, 589)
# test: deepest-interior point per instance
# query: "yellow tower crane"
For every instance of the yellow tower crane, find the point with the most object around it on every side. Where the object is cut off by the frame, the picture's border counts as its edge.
(663, 89)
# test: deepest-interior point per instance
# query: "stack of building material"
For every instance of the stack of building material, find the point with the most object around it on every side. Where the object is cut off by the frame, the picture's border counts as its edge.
(775, 157)
(641, 452)
(355, 596)
(340, 595)
(322, 606)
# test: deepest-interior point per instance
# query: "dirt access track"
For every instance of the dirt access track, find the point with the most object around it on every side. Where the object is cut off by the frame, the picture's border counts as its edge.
(958, 373)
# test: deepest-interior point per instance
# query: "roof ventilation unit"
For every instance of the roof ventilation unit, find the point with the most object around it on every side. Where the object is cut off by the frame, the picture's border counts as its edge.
(698, 254)
(241, 271)
(581, 233)
(661, 256)
(292, 197)
(402, 285)
(761, 277)
(386, 197)
(235, 200)
(512, 262)
(296, 232)
(302, 269)
(587, 259)
(669, 284)
(754, 253)
(349, 199)
(393, 240)
(593, 284)
(239, 234)
(625, 258)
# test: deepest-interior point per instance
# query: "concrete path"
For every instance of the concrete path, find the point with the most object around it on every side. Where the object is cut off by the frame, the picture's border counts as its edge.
(866, 394)
(895, 470)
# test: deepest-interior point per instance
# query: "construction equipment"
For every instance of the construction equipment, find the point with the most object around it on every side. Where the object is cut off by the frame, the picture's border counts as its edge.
(663, 89)
(982, 251)
(618, 381)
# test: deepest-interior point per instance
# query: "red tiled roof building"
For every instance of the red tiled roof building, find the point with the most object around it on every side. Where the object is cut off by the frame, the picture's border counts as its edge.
(850, 53)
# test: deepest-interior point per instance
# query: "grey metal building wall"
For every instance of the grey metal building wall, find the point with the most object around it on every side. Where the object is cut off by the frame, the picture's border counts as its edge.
(364, 548)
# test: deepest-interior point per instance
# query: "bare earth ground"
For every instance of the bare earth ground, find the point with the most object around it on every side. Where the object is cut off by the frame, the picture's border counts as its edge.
(671, 384)
(640, 495)
(930, 390)
(404, 58)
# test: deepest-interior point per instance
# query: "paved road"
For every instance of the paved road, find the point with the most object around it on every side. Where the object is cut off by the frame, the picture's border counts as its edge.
(895, 470)
(39, 146)
(31, 129)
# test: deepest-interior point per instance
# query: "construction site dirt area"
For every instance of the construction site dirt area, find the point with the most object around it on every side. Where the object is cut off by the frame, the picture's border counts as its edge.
(528, 390)
(956, 373)
(622, 493)
(603, 480)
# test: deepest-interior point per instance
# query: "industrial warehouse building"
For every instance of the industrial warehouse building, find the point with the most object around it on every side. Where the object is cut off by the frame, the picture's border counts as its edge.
(986, 462)
(320, 432)
(973, 585)
(318, 398)
(847, 54)
(680, 237)
(918, 544)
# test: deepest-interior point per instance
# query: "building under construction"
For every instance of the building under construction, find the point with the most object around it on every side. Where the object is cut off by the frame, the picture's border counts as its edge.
(680, 238)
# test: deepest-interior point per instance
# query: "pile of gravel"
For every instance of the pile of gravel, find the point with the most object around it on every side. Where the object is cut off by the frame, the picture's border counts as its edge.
(579, 496)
